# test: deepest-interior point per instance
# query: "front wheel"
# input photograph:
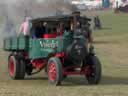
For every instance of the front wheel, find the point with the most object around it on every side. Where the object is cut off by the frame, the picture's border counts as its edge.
(54, 68)
(95, 70)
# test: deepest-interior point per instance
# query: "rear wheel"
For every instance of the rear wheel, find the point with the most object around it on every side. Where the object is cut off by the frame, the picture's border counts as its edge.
(95, 71)
(54, 68)
(16, 67)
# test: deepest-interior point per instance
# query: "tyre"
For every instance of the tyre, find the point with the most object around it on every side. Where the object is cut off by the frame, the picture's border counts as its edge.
(16, 67)
(95, 71)
(45, 70)
(55, 74)
(22, 68)
(29, 69)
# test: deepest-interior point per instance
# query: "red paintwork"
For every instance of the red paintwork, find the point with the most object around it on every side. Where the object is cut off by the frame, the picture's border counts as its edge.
(52, 71)
(54, 35)
(11, 67)
(50, 35)
(39, 63)
(60, 54)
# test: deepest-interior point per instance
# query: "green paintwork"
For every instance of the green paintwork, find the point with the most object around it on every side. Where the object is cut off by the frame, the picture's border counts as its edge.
(38, 48)
(16, 43)
(42, 48)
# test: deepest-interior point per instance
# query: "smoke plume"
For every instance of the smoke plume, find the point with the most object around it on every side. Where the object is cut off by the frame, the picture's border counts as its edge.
(12, 12)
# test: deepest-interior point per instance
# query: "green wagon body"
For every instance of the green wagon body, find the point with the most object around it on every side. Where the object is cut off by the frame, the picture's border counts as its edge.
(16, 43)
(38, 48)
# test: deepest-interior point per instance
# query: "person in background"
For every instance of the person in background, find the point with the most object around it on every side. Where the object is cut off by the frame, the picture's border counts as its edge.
(25, 27)
(116, 9)
(97, 23)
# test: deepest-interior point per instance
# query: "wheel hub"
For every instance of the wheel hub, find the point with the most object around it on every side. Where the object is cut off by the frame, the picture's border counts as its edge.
(52, 72)
(11, 67)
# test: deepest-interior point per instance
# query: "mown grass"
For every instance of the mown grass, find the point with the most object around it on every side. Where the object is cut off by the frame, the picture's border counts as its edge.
(112, 49)
(112, 45)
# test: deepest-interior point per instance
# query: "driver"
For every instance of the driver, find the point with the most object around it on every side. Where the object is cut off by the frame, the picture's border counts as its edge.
(78, 24)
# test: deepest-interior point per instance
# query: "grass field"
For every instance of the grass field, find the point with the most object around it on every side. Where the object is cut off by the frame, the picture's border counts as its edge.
(111, 45)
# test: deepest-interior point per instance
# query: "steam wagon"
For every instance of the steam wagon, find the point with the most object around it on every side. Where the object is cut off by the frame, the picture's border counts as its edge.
(55, 48)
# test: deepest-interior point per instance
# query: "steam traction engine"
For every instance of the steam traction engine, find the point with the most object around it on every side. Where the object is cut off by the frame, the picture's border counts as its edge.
(60, 54)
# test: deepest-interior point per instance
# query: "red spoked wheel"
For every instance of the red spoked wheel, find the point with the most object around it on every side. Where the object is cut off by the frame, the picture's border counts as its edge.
(11, 67)
(54, 68)
(52, 72)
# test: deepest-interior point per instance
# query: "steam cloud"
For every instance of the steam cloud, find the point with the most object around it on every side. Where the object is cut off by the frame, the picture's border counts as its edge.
(12, 12)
